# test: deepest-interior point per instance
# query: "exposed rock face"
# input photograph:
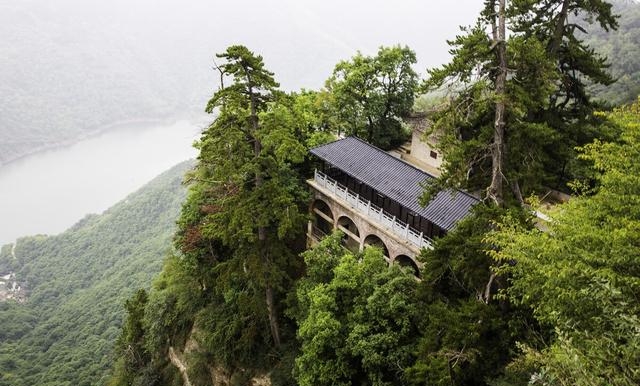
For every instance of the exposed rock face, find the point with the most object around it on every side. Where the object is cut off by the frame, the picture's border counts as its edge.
(220, 376)
(177, 362)
(11, 288)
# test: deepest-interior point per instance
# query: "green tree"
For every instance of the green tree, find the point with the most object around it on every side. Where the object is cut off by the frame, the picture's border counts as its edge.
(218, 301)
(315, 117)
(581, 278)
(519, 105)
(244, 212)
(466, 337)
(131, 352)
(131, 342)
(373, 94)
(357, 318)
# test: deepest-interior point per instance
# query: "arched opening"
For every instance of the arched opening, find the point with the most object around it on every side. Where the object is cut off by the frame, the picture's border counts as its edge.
(375, 241)
(351, 238)
(322, 218)
(406, 261)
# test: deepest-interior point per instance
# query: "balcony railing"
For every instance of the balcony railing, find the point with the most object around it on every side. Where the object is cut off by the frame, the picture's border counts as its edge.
(373, 212)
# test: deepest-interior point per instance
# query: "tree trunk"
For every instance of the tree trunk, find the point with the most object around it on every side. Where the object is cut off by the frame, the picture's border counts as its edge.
(517, 192)
(486, 295)
(558, 33)
(262, 232)
(495, 191)
(370, 131)
(273, 316)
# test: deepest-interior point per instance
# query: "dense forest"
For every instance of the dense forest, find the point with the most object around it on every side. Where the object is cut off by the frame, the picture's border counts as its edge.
(76, 284)
(503, 298)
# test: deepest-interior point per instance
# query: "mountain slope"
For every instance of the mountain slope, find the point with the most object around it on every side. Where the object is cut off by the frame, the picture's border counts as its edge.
(71, 68)
(622, 49)
(77, 282)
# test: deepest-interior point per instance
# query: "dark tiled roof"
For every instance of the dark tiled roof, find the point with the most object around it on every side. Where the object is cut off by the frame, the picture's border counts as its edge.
(395, 179)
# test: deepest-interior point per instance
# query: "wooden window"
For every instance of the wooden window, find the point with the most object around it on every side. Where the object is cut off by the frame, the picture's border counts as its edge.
(427, 228)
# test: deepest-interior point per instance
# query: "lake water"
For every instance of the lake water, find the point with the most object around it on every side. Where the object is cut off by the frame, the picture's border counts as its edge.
(48, 192)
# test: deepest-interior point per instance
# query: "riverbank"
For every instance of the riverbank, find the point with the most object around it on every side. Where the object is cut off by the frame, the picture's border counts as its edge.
(198, 119)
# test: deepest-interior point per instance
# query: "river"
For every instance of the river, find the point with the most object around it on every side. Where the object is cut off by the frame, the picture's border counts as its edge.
(47, 192)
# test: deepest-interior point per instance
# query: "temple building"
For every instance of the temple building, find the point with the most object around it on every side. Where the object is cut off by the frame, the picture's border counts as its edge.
(422, 150)
(372, 197)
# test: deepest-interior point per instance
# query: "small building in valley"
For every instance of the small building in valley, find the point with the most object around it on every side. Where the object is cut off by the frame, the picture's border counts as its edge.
(372, 197)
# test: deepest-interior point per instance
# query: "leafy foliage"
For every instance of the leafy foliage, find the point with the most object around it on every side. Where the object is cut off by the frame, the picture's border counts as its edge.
(247, 153)
(357, 318)
(363, 322)
(373, 94)
(466, 335)
(315, 117)
(548, 111)
(238, 235)
(581, 278)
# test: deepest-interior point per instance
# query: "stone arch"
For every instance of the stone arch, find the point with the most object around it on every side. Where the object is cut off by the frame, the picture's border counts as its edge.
(347, 225)
(406, 261)
(375, 241)
(323, 218)
(351, 238)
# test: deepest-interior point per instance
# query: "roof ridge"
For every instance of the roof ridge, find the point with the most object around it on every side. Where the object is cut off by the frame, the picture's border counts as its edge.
(404, 162)
(389, 155)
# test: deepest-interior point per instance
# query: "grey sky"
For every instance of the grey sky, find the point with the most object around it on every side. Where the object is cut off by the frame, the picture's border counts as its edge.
(300, 40)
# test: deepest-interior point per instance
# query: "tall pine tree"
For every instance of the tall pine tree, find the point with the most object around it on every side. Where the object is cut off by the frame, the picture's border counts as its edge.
(244, 210)
(519, 105)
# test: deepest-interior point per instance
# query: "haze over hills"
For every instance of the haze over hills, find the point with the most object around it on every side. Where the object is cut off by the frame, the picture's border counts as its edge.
(73, 67)
(66, 75)
(70, 67)
(622, 48)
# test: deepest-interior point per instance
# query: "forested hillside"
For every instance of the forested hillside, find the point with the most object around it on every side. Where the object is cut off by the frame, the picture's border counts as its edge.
(622, 48)
(77, 283)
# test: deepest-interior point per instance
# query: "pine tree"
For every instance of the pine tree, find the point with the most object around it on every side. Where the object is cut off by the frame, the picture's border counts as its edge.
(244, 209)
(519, 104)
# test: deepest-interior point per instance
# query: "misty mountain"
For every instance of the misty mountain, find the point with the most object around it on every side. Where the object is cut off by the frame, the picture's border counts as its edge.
(69, 68)
(76, 284)
(622, 48)
(65, 76)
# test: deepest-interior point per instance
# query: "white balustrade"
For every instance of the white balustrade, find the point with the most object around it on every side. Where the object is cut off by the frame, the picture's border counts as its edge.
(370, 210)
